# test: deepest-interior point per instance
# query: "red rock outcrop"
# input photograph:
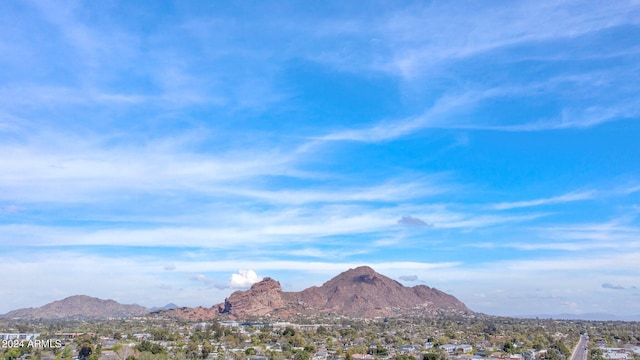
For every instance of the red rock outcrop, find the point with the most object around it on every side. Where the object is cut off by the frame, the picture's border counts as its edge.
(261, 299)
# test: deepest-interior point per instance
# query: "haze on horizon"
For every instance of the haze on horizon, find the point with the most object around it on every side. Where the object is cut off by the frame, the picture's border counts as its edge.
(175, 151)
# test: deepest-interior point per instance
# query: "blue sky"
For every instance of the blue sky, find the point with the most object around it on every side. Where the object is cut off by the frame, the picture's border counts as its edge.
(151, 150)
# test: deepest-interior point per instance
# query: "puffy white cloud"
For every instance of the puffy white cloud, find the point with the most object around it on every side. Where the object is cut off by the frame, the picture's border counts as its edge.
(244, 279)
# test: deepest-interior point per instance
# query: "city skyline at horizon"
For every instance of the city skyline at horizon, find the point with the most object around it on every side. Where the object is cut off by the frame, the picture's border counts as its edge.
(178, 151)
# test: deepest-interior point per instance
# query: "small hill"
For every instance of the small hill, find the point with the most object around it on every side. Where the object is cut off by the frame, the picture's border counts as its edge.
(169, 306)
(78, 307)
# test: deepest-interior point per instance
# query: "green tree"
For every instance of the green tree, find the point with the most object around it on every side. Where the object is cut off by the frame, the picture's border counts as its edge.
(403, 357)
(149, 356)
(430, 356)
(275, 355)
(207, 349)
(302, 355)
(192, 350)
(509, 348)
(297, 340)
(562, 348)
(13, 353)
(147, 346)
(66, 353)
(84, 345)
(595, 354)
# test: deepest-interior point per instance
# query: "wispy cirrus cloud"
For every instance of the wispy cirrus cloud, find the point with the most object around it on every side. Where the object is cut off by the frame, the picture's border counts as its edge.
(85, 170)
(569, 197)
(237, 227)
(449, 110)
(295, 143)
(415, 51)
(621, 232)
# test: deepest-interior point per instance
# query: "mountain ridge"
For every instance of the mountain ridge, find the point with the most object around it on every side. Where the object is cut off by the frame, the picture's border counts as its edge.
(358, 292)
(78, 307)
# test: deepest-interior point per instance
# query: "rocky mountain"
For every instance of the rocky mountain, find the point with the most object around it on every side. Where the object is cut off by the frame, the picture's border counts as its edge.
(78, 307)
(264, 297)
(359, 292)
(363, 292)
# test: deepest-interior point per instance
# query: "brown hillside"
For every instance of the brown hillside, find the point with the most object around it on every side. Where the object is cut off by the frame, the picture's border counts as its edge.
(78, 307)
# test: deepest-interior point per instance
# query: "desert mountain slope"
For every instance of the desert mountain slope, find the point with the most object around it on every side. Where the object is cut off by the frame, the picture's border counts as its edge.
(364, 292)
(78, 307)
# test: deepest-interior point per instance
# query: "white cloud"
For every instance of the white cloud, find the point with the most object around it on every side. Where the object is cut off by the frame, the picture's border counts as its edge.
(236, 227)
(325, 253)
(244, 279)
(395, 189)
(447, 108)
(80, 170)
(150, 187)
(618, 232)
(310, 266)
(434, 117)
(415, 52)
(200, 277)
(570, 197)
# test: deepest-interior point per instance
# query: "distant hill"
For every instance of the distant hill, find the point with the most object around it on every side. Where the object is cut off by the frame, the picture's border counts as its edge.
(359, 292)
(169, 306)
(78, 307)
(585, 316)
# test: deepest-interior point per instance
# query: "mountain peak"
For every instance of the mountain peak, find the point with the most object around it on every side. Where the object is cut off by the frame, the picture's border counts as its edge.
(363, 275)
(361, 270)
(266, 284)
(82, 298)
